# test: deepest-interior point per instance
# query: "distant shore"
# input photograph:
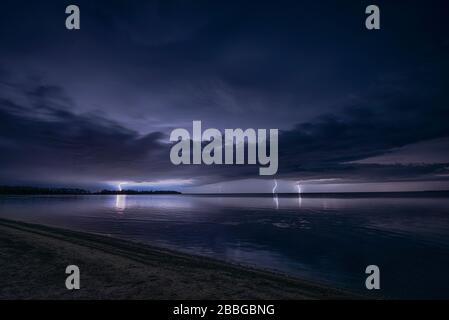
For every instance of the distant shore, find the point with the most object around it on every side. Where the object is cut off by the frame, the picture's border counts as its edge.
(34, 257)
(25, 190)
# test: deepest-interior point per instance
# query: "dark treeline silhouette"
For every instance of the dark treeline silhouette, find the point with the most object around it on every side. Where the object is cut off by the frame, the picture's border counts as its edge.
(23, 190)
(35, 190)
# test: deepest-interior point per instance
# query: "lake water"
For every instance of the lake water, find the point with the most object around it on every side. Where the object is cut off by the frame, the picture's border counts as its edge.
(330, 240)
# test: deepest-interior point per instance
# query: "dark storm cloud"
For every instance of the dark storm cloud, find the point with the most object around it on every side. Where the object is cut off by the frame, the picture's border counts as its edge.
(367, 129)
(98, 104)
(159, 64)
(42, 141)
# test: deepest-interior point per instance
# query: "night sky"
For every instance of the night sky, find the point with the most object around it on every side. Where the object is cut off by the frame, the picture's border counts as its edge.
(357, 110)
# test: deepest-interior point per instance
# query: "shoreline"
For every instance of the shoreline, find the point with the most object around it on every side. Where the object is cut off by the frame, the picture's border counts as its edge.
(33, 259)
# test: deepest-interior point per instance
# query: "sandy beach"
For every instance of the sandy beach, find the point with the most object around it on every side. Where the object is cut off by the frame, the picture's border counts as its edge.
(33, 259)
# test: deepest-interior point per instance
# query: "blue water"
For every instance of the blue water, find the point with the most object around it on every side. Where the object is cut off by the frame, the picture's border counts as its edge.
(330, 240)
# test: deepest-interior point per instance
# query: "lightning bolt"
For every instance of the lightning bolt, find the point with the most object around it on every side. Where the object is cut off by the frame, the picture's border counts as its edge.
(120, 186)
(275, 196)
(298, 186)
(275, 186)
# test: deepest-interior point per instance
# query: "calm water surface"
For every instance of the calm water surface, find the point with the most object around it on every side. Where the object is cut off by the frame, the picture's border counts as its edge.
(330, 240)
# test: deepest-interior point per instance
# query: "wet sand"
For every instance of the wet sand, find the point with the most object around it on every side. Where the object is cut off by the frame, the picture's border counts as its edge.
(33, 259)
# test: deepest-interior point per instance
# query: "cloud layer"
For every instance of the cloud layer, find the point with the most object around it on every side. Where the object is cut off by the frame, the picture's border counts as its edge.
(96, 106)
